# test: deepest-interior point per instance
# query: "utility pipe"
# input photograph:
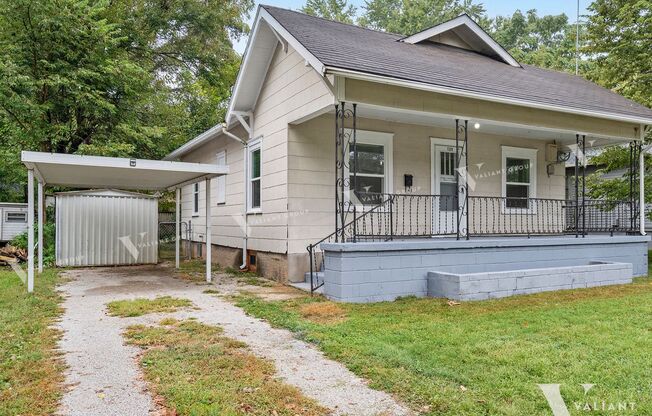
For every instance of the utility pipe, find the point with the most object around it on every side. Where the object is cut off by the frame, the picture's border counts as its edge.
(245, 171)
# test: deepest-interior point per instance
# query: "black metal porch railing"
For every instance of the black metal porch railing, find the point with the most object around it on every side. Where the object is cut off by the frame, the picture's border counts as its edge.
(383, 217)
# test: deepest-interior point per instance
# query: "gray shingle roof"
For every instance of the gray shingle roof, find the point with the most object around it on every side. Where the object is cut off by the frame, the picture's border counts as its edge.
(355, 48)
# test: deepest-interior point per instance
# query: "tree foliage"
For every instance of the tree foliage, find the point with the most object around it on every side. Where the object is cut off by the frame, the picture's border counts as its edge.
(411, 16)
(620, 43)
(338, 10)
(120, 78)
(544, 41)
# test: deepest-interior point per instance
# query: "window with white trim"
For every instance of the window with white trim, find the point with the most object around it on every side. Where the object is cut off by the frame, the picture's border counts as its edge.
(16, 217)
(519, 177)
(254, 175)
(373, 170)
(221, 180)
(195, 199)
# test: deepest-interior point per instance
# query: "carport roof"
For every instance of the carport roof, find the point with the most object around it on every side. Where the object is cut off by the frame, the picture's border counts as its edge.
(113, 172)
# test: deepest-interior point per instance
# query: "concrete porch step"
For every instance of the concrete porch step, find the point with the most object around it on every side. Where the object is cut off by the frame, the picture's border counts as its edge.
(305, 286)
(319, 275)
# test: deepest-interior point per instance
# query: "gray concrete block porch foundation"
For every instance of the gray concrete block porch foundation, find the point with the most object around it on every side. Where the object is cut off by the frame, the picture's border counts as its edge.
(384, 271)
(490, 285)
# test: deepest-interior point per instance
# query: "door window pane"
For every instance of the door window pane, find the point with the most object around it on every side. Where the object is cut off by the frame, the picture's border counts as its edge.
(447, 163)
(447, 191)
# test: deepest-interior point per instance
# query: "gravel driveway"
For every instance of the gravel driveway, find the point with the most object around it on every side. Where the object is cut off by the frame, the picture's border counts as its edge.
(103, 374)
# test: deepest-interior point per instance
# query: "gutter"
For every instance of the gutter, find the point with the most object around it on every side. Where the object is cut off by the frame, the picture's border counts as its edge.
(486, 97)
(196, 142)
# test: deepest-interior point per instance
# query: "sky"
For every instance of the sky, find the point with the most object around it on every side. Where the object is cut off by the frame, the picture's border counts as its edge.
(494, 8)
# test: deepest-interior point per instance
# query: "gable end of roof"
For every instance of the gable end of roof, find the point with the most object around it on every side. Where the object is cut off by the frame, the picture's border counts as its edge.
(465, 28)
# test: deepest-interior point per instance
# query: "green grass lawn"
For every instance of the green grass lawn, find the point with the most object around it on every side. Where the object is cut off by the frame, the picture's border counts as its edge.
(30, 372)
(486, 358)
(142, 306)
(198, 371)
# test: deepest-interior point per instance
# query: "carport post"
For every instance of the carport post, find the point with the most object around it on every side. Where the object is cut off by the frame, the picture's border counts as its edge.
(40, 226)
(177, 227)
(209, 231)
(30, 230)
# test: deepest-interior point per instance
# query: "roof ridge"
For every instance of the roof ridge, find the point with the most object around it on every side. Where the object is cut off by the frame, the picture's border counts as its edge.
(267, 6)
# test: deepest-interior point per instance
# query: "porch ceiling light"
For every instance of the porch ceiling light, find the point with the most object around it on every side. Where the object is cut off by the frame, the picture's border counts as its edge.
(476, 125)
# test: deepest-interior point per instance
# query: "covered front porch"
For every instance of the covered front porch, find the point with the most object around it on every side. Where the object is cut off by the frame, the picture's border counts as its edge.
(407, 178)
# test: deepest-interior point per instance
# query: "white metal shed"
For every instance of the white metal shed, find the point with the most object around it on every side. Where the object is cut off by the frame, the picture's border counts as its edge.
(13, 220)
(110, 172)
(106, 227)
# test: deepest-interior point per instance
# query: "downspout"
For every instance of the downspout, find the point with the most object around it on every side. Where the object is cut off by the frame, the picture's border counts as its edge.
(246, 189)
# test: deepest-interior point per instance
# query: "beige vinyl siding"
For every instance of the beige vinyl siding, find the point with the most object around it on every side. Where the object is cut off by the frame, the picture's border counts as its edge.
(290, 91)
(227, 222)
(417, 100)
(312, 170)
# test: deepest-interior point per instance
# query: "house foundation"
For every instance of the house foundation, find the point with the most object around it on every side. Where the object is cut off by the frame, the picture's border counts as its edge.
(384, 271)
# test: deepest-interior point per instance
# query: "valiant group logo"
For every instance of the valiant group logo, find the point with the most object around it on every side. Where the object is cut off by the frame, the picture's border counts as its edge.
(134, 248)
(559, 407)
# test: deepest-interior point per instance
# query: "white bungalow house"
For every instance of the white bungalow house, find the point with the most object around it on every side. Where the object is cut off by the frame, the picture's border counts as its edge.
(409, 163)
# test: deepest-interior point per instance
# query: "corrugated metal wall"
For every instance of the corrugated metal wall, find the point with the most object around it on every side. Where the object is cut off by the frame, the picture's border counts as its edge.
(106, 229)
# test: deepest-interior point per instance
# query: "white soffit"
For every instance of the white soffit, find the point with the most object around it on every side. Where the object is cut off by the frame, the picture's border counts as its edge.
(258, 55)
(79, 171)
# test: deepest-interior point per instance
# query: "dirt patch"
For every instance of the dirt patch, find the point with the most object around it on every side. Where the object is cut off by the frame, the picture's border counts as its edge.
(323, 312)
(110, 365)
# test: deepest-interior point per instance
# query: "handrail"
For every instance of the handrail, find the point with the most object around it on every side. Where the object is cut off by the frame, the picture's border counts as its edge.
(406, 216)
(314, 281)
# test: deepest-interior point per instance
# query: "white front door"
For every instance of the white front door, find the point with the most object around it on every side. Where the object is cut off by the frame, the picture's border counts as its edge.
(445, 189)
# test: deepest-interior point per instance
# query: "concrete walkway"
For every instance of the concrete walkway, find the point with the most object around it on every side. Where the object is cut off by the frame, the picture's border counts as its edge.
(105, 379)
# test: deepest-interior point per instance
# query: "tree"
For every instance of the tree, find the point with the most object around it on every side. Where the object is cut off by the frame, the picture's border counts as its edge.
(619, 40)
(339, 10)
(120, 78)
(543, 41)
(411, 16)
(620, 44)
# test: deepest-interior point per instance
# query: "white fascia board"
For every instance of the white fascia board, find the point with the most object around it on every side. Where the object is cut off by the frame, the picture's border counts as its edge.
(279, 31)
(487, 97)
(33, 159)
(194, 143)
(296, 45)
(245, 62)
(464, 20)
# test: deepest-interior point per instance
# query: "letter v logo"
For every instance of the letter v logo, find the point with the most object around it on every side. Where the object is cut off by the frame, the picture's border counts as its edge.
(555, 401)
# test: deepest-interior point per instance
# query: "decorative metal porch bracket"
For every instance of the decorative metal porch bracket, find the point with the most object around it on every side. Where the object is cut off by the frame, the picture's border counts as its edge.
(580, 206)
(635, 149)
(345, 143)
(461, 180)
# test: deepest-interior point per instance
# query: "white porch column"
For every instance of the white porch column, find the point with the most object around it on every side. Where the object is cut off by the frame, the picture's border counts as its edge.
(40, 226)
(641, 181)
(30, 230)
(177, 227)
(209, 231)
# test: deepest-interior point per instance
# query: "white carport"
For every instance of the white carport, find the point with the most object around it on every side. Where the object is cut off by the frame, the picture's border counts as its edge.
(78, 171)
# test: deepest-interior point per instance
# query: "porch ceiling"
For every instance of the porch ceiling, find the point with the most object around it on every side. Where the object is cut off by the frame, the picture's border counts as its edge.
(561, 136)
